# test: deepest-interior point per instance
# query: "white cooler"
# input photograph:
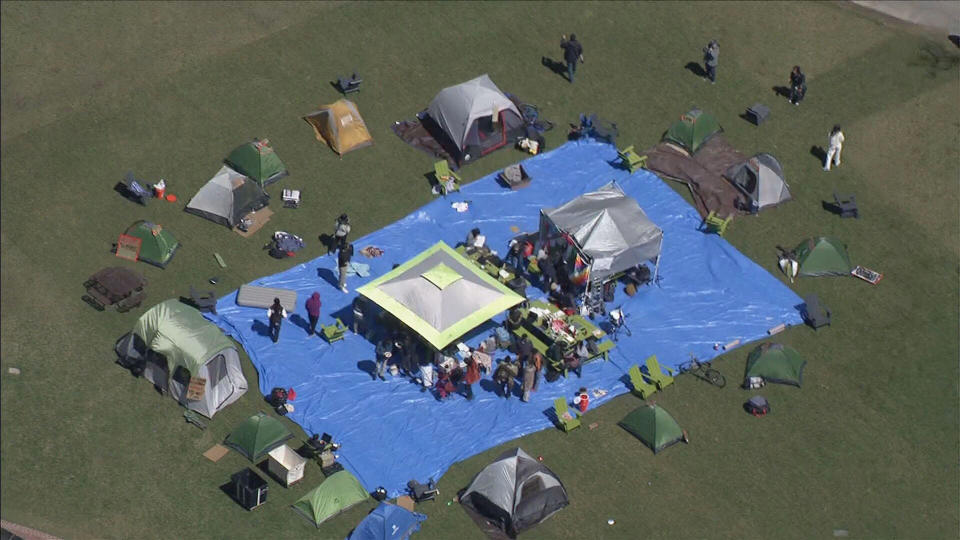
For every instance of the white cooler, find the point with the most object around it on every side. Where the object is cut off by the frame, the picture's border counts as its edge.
(286, 465)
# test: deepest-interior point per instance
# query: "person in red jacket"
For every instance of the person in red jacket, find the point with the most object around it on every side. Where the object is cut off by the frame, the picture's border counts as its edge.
(471, 377)
(313, 312)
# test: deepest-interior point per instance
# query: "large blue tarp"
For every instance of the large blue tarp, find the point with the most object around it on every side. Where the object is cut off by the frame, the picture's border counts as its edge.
(708, 293)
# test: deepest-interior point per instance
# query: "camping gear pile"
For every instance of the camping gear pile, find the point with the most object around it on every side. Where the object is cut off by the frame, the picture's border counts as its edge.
(284, 244)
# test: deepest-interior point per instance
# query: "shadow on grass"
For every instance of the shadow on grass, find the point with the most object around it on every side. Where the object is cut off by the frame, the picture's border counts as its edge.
(557, 67)
(781, 91)
(696, 69)
(819, 153)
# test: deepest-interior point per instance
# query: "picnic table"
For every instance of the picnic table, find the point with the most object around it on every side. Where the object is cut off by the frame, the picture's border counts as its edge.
(551, 325)
(478, 256)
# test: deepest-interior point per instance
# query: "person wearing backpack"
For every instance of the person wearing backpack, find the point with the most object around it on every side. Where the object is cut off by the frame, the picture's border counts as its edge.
(340, 232)
(343, 262)
(276, 314)
(572, 53)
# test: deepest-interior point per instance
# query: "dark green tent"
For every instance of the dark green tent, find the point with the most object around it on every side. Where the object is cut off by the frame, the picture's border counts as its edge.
(257, 160)
(157, 245)
(337, 493)
(693, 129)
(775, 363)
(654, 426)
(823, 256)
(257, 436)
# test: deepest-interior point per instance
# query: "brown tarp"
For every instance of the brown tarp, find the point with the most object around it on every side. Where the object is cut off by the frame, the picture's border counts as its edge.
(702, 173)
(416, 135)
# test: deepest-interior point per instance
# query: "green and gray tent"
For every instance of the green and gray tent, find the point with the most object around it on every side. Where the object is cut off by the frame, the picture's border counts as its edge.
(693, 129)
(775, 363)
(337, 493)
(440, 295)
(654, 426)
(227, 197)
(257, 436)
(157, 244)
(257, 160)
(186, 355)
(823, 256)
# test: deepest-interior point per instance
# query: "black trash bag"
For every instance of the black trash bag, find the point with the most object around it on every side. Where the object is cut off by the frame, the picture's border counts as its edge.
(757, 406)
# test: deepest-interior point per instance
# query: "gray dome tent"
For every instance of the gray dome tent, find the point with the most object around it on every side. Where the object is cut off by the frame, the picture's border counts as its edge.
(477, 117)
(227, 197)
(610, 229)
(513, 494)
(760, 178)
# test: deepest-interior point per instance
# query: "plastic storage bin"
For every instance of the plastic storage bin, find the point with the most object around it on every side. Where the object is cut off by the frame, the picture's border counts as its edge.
(249, 489)
(286, 465)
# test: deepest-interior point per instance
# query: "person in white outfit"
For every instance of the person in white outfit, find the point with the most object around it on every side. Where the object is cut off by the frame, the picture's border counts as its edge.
(836, 146)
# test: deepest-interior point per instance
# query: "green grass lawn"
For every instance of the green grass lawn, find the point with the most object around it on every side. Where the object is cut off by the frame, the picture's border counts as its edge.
(89, 91)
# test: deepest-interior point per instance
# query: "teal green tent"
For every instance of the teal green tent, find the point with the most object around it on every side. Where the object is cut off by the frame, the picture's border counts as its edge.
(823, 256)
(775, 363)
(257, 160)
(157, 245)
(693, 129)
(654, 426)
(337, 493)
(440, 295)
(257, 436)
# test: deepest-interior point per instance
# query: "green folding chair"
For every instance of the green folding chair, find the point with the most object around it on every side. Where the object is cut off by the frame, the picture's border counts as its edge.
(656, 374)
(447, 180)
(631, 160)
(641, 387)
(334, 332)
(567, 419)
(714, 223)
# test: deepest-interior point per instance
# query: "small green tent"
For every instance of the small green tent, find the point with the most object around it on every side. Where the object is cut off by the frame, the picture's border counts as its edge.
(337, 493)
(157, 245)
(257, 160)
(775, 363)
(257, 436)
(823, 256)
(693, 129)
(654, 426)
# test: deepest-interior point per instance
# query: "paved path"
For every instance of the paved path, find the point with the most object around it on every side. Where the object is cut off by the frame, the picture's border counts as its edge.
(26, 532)
(944, 15)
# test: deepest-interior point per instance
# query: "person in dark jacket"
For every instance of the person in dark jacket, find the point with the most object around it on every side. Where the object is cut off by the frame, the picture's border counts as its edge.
(711, 53)
(798, 85)
(340, 232)
(359, 321)
(343, 261)
(276, 314)
(572, 53)
(524, 350)
(313, 312)
(384, 353)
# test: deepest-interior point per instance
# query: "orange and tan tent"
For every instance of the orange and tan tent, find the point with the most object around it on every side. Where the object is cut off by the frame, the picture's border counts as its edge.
(340, 126)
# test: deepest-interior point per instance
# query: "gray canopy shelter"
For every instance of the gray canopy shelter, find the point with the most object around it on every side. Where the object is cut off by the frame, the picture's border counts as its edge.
(513, 494)
(477, 117)
(760, 179)
(609, 229)
(227, 197)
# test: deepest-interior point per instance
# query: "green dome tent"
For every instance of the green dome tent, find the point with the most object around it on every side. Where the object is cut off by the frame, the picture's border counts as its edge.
(337, 493)
(257, 436)
(693, 129)
(654, 426)
(157, 245)
(775, 363)
(257, 160)
(823, 256)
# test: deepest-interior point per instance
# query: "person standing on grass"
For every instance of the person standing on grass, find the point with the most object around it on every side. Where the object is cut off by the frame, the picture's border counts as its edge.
(572, 53)
(835, 147)
(343, 262)
(798, 85)
(340, 232)
(711, 53)
(313, 312)
(276, 314)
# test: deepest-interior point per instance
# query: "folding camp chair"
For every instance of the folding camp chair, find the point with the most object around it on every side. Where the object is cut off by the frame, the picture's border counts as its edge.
(641, 387)
(423, 492)
(447, 180)
(567, 420)
(204, 301)
(137, 191)
(846, 206)
(714, 223)
(349, 85)
(631, 160)
(334, 332)
(656, 374)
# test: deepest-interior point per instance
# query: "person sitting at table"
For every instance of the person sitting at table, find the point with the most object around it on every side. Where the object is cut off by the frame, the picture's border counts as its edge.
(444, 386)
(514, 320)
(515, 256)
(472, 237)
(563, 298)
